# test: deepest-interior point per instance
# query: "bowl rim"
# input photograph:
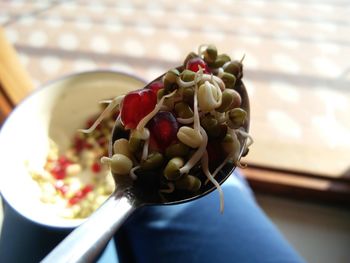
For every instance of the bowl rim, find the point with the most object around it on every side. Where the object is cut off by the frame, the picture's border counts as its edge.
(62, 78)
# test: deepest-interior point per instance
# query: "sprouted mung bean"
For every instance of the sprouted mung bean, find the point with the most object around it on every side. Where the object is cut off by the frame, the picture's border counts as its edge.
(176, 125)
(75, 181)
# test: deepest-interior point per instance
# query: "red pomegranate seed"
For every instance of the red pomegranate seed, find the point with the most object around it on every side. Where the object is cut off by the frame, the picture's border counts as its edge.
(87, 189)
(96, 167)
(64, 161)
(163, 127)
(136, 105)
(102, 141)
(153, 145)
(195, 63)
(80, 195)
(73, 200)
(58, 171)
(155, 86)
(88, 145)
(79, 143)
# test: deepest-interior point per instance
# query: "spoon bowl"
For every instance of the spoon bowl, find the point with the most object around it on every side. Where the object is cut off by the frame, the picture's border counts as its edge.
(137, 193)
(89, 239)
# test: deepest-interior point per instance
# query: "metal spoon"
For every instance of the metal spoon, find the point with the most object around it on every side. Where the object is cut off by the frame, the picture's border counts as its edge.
(87, 241)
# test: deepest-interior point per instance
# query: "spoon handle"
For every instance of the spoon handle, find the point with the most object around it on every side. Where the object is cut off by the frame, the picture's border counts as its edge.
(87, 241)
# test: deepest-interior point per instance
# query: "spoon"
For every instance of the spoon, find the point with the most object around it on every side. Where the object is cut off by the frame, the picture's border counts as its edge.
(88, 240)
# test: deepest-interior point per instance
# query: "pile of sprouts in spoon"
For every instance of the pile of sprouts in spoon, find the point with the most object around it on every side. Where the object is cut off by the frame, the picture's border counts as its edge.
(185, 125)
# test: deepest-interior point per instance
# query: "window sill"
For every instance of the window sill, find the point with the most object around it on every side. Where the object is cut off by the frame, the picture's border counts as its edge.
(298, 185)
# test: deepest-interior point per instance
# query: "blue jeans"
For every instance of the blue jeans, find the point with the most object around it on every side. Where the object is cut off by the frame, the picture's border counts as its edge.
(190, 232)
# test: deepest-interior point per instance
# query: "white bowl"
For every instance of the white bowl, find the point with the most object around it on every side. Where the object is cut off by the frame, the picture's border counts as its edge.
(54, 111)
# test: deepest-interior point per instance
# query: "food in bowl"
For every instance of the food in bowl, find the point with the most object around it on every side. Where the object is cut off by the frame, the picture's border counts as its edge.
(75, 180)
(188, 124)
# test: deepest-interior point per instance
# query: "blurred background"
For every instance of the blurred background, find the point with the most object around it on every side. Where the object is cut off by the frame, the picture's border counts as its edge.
(297, 72)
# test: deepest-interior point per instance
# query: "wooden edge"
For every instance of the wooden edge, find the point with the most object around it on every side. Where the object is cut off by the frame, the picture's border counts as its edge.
(15, 80)
(345, 176)
(5, 106)
(298, 186)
